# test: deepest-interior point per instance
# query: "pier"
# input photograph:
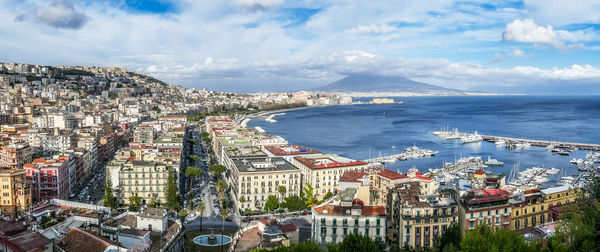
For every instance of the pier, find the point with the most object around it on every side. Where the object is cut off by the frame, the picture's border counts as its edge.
(540, 143)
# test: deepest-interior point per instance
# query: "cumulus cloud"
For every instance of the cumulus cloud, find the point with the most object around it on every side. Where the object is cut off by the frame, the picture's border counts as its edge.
(516, 52)
(529, 32)
(258, 4)
(60, 14)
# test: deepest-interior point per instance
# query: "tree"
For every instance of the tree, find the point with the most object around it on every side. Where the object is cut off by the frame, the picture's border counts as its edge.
(450, 239)
(204, 134)
(134, 202)
(309, 195)
(242, 199)
(194, 141)
(327, 195)
(201, 208)
(109, 198)
(153, 203)
(356, 243)
(224, 215)
(182, 214)
(193, 172)
(484, 238)
(272, 203)
(281, 189)
(171, 194)
(294, 203)
(216, 170)
(221, 186)
(195, 158)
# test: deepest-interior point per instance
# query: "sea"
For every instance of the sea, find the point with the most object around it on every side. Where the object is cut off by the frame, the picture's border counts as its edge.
(363, 131)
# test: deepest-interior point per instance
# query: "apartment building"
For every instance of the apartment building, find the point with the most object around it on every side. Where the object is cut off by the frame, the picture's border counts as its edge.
(531, 207)
(147, 180)
(49, 178)
(323, 171)
(485, 207)
(417, 218)
(255, 178)
(14, 155)
(15, 193)
(344, 214)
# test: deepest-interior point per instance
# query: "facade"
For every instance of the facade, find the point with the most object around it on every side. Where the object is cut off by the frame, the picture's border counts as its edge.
(417, 218)
(254, 179)
(15, 155)
(323, 172)
(531, 207)
(49, 178)
(146, 180)
(15, 193)
(485, 207)
(344, 214)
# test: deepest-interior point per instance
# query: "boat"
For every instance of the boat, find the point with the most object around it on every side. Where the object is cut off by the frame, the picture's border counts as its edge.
(500, 142)
(452, 135)
(471, 138)
(574, 161)
(564, 153)
(493, 162)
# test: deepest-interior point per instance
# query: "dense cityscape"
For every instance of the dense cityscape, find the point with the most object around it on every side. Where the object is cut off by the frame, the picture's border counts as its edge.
(102, 159)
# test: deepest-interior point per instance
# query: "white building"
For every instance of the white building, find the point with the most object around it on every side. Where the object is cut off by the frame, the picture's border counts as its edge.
(344, 214)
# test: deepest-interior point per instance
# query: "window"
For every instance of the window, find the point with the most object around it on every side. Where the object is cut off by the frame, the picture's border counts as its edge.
(323, 221)
(367, 222)
(345, 222)
(366, 232)
(345, 231)
(334, 222)
(356, 222)
(471, 215)
(334, 231)
(355, 230)
(471, 224)
(323, 231)
(378, 222)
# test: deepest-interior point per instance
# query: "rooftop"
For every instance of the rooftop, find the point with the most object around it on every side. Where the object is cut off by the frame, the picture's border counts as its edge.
(263, 164)
(556, 189)
(290, 150)
(327, 161)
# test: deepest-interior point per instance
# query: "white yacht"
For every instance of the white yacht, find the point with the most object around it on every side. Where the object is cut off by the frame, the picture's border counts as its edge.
(500, 142)
(471, 138)
(493, 162)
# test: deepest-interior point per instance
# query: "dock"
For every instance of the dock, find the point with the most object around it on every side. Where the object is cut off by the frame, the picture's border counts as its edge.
(540, 143)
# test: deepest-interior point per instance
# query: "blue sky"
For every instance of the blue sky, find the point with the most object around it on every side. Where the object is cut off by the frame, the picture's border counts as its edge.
(247, 45)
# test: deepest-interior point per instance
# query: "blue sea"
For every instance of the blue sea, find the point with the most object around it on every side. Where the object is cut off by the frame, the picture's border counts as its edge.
(366, 130)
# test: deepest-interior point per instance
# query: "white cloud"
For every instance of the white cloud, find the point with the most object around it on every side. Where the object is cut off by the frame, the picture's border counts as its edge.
(258, 4)
(60, 14)
(516, 52)
(528, 32)
(372, 29)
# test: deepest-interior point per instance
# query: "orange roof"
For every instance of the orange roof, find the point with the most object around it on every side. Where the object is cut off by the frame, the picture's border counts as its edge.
(352, 176)
(480, 172)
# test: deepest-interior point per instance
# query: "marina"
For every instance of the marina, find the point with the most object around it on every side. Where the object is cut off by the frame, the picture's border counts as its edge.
(561, 148)
(412, 152)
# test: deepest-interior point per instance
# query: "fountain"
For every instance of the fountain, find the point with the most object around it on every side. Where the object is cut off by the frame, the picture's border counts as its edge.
(212, 240)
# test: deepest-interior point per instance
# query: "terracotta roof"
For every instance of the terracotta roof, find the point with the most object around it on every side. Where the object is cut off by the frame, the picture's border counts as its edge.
(74, 242)
(10, 227)
(268, 222)
(480, 172)
(31, 241)
(352, 176)
(290, 150)
(288, 227)
(373, 210)
(391, 174)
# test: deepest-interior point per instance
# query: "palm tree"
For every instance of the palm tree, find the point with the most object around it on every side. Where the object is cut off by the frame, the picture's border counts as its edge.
(224, 216)
(281, 190)
(201, 208)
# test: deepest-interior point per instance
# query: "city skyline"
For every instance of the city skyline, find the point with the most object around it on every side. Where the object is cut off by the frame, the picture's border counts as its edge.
(266, 45)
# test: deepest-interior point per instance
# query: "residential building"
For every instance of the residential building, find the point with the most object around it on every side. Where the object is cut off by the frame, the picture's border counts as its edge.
(49, 177)
(15, 193)
(417, 218)
(255, 178)
(344, 214)
(323, 172)
(485, 207)
(14, 155)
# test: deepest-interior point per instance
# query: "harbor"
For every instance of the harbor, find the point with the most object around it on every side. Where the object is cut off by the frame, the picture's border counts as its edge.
(516, 142)
(412, 152)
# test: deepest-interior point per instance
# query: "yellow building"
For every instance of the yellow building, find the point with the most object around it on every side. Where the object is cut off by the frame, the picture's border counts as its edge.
(530, 208)
(323, 172)
(15, 193)
(145, 180)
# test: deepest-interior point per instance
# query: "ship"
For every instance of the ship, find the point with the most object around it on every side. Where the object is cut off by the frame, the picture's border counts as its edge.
(493, 162)
(471, 138)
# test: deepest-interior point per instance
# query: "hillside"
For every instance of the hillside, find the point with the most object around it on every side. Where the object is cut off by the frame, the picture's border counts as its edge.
(378, 83)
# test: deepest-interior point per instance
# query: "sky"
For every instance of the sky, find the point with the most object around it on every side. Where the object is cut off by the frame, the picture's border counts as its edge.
(285, 45)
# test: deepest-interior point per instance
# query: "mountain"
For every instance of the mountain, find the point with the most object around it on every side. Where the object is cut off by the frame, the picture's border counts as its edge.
(366, 83)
